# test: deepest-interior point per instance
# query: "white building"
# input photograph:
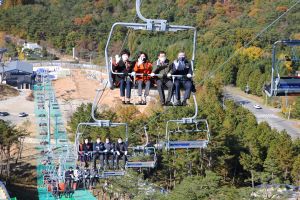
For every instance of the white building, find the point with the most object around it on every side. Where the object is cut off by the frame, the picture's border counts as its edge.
(31, 46)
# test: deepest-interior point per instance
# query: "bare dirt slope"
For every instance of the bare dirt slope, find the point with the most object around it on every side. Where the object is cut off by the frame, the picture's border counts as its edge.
(79, 87)
(7, 91)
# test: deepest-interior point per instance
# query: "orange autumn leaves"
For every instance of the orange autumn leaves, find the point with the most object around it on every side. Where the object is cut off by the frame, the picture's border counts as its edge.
(79, 21)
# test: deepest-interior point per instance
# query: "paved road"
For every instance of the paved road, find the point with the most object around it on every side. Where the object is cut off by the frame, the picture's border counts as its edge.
(267, 114)
(15, 105)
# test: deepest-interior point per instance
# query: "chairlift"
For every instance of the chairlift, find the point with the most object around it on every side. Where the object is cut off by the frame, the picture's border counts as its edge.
(192, 127)
(151, 25)
(145, 152)
(283, 85)
(101, 124)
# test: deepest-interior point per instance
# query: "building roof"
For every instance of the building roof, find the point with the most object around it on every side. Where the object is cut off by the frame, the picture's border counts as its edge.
(2, 50)
(18, 65)
(31, 46)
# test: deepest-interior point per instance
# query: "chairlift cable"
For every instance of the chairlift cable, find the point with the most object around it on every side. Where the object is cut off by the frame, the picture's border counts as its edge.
(248, 43)
(235, 54)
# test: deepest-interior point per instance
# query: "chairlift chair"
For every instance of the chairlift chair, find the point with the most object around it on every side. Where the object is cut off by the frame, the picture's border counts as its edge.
(159, 25)
(285, 85)
(200, 143)
(143, 151)
(103, 124)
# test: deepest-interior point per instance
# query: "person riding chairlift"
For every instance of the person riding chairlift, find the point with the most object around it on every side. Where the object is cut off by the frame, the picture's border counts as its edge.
(98, 153)
(121, 150)
(86, 148)
(69, 179)
(108, 153)
(143, 66)
(162, 68)
(124, 65)
(182, 66)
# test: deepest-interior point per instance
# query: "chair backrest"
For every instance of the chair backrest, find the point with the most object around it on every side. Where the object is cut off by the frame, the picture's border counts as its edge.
(61, 187)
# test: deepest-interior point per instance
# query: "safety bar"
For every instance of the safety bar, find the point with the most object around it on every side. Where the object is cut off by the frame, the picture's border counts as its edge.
(154, 156)
(155, 27)
(288, 42)
(142, 148)
(144, 74)
(182, 121)
(285, 42)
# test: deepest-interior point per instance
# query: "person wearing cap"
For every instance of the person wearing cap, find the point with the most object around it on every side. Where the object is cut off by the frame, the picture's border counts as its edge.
(124, 65)
(121, 151)
(161, 68)
(181, 66)
(143, 66)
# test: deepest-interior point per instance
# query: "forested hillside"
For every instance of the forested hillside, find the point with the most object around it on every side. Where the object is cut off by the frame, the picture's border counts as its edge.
(241, 153)
(223, 27)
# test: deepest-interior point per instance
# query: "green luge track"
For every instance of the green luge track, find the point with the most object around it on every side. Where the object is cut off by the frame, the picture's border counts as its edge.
(59, 139)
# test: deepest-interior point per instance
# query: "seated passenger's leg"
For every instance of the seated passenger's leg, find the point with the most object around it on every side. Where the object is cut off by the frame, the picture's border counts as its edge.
(187, 93)
(170, 87)
(86, 158)
(140, 90)
(106, 156)
(147, 89)
(102, 160)
(109, 159)
(177, 91)
(95, 160)
(113, 158)
(122, 89)
(160, 91)
(118, 158)
(124, 160)
(128, 89)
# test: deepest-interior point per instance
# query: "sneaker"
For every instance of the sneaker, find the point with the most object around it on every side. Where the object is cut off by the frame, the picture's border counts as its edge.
(178, 103)
(128, 103)
(184, 103)
(168, 103)
(123, 102)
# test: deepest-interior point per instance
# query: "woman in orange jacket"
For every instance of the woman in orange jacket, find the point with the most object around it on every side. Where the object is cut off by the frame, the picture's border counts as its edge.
(143, 66)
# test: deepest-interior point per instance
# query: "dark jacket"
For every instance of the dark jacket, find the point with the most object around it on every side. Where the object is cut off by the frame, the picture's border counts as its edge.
(87, 147)
(98, 147)
(121, 147)
(162, 68)
(108, 146)
(69, 174)
(182, 69)
(122, 67)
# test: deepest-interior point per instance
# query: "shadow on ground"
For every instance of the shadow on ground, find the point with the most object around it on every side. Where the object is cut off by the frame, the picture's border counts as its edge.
(23, 182)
